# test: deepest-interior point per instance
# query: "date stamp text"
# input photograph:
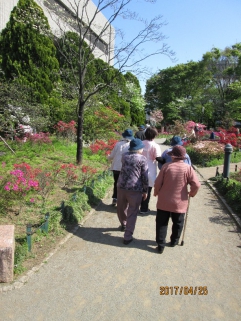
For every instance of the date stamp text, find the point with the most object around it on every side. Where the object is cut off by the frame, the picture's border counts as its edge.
(183, 290)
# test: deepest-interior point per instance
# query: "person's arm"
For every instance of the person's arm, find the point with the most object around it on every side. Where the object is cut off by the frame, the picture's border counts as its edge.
(113, 152)
(193, 182)
(162, 160)
(158, 182)
(157, 152)
(188, 160)
(144, 176)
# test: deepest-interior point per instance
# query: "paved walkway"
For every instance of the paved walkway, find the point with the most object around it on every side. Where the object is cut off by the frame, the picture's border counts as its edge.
(94, 276)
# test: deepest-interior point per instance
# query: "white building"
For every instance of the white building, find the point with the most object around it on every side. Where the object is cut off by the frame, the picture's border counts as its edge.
(58, 11)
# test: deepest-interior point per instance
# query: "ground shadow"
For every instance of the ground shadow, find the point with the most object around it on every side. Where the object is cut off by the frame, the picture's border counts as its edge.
(105, 207)
(109, 208)
(109, 236)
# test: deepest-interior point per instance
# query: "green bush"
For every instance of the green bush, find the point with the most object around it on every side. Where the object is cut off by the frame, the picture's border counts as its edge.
(86, 197)
(231, 190)
(20, 254)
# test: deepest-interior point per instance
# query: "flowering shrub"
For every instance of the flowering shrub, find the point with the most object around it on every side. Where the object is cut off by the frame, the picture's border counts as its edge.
(178, 129)
(69, 174)
(25, 180)
(38, 138)
(229, 136)
(103, 146)
(156, 117)
(209, 148)
(87, 173)
(47, 181)
(66, 130)
(204, 153)
(22, 183)
(101, 123)
(19, 183)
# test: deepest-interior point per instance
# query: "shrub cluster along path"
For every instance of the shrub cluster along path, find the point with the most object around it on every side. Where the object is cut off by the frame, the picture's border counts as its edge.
(94, 276)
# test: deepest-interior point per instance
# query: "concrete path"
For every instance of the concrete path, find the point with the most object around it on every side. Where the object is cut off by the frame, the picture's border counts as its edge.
(94, 276)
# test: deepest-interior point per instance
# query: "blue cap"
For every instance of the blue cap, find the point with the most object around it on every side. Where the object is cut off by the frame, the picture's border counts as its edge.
(128, 134)
(141, 127)
(136, 144)
(176, 140)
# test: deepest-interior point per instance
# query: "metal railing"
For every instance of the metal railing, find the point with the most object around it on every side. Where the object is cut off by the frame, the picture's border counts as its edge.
(43, 228)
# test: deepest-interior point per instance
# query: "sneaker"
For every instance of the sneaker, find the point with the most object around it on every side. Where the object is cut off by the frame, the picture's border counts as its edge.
(126, 242)
(114, 202)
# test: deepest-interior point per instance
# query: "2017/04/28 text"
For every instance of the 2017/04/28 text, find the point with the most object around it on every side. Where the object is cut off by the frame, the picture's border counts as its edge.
(186, 290)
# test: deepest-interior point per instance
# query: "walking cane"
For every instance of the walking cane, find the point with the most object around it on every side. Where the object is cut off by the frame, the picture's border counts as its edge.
(185, 224)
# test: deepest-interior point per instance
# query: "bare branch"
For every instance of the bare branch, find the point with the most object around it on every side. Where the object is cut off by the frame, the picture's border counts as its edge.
(94, 24)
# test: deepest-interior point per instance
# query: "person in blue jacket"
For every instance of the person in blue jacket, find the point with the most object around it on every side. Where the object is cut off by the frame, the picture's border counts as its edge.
(165, 158)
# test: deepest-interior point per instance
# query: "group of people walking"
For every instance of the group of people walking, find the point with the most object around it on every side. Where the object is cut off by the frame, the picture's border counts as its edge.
(134, 165)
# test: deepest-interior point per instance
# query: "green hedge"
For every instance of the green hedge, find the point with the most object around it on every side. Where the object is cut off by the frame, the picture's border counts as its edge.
(231, 190)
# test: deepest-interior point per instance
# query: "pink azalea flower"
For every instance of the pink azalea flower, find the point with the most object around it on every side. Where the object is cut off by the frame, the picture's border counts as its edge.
(15, 187)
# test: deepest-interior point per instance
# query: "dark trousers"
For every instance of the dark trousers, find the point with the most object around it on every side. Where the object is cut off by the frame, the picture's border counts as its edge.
(162, 219)
(144, 204)
(128, 204)
(115, 176)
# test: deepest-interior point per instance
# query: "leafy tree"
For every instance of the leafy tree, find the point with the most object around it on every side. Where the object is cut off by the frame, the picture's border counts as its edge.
(234, 100)
(17, 107)
(122, 59)
(103, 121)
(66, 47)
(174, 90)
(97, 72)
(134, 97)
(28, 53)
(224, 68)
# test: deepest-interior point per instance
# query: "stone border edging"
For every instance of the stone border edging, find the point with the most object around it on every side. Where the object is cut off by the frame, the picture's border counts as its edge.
(234, 216)
(19, 282)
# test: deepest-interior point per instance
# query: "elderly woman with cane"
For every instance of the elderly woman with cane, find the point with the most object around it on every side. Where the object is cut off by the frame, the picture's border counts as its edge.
(171, 189)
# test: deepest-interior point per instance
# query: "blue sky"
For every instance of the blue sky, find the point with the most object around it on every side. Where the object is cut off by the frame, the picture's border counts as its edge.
(194, 27)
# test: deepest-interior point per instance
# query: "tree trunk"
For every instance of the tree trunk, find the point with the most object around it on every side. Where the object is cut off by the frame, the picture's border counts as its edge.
(79, 154)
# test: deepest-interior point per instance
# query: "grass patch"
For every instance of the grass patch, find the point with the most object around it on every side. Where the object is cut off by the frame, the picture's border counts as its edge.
(78, 197)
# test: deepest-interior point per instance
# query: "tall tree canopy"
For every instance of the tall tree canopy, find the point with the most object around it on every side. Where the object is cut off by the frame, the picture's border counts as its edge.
(28, 53)
(134, 97)
(173, 90)
(123, 59)
(207, 90)
(224, 66)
